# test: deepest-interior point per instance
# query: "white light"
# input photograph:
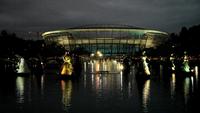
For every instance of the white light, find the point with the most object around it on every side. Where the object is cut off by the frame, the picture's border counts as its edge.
(196, 70)
(20, 89)
(92, 55)
(114, 61)
(22, 66)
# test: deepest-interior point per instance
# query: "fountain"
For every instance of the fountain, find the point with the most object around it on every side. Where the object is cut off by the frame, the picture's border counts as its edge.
(145, 64)
(22, 66)
(143, 70)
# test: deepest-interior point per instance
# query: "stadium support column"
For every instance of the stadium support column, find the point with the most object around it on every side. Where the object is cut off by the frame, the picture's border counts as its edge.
(89, 45)
(111, 47)
(97, 46)
(133, 45)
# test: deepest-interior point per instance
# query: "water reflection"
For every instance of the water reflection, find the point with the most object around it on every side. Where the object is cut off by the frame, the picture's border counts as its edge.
(20, 89)
(103, 92)
(40, 83)
(85, 65)
(186, 90)
(111, 66)
(173, 85)
(196, 70)
(146, 96)
(196, 76)
(66, 94)
(161, 70)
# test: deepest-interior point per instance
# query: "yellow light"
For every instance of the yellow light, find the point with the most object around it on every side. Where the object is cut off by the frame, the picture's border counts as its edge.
(173, 85)
(67, 67)
(66, 87)
(114, 61)
(99, 54)
(67, 59)
(121, 67)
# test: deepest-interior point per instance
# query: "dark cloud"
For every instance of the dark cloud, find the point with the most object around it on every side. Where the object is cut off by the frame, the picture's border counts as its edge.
(41, 15)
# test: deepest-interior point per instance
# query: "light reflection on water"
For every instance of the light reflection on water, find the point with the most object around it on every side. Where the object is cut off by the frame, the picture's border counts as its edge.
(187, 82)
(196, 76)
(66, 87)
(42, 85)
(20, 89)
(103, 65)
(105, 92)
(173, 85)
(146, 96)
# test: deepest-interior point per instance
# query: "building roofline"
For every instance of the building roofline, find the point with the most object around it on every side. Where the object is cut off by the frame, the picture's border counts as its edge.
(101, 29)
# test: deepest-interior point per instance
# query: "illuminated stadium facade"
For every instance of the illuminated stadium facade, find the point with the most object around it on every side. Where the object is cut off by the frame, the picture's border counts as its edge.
(109, 39)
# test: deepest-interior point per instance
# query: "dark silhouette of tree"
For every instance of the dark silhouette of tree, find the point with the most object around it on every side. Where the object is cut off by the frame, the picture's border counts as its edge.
(186, 40)
(53, 49)
(9, 44)
(189, 39)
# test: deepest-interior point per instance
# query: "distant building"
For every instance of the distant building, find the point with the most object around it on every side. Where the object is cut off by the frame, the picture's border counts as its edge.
(108, 39)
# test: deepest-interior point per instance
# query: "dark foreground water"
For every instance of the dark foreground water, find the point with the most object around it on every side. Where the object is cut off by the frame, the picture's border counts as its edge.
(101, 93)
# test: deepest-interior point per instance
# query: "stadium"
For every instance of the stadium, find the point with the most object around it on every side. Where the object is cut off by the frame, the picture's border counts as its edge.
(110, 40)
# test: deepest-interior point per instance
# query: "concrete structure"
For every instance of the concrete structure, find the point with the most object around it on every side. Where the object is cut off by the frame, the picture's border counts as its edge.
(108, 39)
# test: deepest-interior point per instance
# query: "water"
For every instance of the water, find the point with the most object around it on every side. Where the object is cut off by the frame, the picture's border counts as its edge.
(101, 92)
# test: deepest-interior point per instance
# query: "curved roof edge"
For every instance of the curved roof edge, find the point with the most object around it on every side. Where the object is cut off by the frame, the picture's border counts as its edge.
(105, 27)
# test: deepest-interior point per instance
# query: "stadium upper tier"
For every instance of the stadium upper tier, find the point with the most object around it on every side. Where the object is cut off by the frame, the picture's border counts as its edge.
(110, 39)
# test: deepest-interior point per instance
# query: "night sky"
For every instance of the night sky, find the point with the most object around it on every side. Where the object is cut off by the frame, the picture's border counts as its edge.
(45, 15)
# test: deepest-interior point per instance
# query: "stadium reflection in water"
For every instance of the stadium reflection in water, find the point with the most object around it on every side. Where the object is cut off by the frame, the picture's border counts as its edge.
(102, 88)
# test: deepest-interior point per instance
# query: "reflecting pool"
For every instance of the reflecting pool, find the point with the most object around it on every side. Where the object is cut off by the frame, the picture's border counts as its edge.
(101, 88)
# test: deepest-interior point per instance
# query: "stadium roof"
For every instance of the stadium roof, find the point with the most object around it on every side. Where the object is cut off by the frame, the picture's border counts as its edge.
(106, 27)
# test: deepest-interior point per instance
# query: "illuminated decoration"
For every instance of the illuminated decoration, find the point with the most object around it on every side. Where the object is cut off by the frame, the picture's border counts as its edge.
(110, 40)
(145, 64)
(185, 67)
(66, 68)
(22, 66)
(172, 62)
